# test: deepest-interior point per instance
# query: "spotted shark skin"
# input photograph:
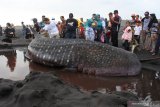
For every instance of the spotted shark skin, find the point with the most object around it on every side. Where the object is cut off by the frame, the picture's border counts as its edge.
(87, 56)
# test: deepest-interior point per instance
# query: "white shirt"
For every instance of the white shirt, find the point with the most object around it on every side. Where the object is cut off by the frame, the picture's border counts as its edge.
(51, 29)
(103, 24)
(146, 23)
(89, 33)
(137, 30)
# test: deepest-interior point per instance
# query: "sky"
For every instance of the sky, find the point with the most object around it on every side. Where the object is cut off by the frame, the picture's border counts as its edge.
(16, 11)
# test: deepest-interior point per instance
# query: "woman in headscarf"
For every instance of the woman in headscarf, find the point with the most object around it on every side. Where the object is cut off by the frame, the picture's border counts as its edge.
(153, 25)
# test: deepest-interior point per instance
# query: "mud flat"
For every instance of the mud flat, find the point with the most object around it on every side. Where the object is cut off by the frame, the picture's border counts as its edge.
(47, 90)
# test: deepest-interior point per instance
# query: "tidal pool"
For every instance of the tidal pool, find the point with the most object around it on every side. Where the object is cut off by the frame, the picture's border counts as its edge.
(14, 66)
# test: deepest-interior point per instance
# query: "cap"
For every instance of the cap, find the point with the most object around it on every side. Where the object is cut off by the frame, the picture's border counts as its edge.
(133, 15)
(53, 18)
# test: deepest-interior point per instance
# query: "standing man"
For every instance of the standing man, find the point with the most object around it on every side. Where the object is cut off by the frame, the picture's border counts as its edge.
(23, 30)
(145, 22)
(62, 27)
(42, 24)
(99, 28)
(115, 21)
(36, 25)
(133, 21)
(71, 26)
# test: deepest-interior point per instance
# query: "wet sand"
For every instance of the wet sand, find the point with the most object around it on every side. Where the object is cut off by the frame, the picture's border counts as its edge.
(46, 90)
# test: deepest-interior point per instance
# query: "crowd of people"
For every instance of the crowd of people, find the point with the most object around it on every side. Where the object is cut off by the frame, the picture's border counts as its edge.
(27, 31)
(96, 28)
(144, 31)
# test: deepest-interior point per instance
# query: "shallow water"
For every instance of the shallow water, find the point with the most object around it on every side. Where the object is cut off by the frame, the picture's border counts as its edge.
(15, 66)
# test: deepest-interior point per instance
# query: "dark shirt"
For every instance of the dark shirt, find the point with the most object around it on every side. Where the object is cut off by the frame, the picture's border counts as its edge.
(115, 26)
(71, 25)
(9, 31)
(36, 26)
(28, 31)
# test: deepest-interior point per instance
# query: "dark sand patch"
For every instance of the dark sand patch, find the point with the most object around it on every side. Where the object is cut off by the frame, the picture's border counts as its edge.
(46, 90)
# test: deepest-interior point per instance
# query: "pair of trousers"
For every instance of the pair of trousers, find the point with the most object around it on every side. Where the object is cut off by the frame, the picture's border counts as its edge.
(114, 38)
(71, 35)
(157, 45)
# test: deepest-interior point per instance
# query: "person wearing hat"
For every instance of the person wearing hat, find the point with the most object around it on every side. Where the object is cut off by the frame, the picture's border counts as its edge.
(71, 27)
(133, 16)
(133, 21)
(144, 38)
(115, 22)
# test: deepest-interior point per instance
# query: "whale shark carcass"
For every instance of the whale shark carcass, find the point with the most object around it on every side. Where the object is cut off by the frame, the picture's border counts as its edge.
(86, 56)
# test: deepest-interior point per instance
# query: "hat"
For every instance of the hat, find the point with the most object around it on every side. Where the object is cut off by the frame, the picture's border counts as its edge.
(133, 15)
(53, 18)
(152, 14)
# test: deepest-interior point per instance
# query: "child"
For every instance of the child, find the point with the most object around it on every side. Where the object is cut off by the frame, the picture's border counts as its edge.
(89, 33)
(127, 36)
(81, 31)
(137, 31)
(108, 35)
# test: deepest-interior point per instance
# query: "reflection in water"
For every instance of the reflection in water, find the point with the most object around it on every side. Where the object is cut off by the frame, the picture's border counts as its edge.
(13, 65)
(11, 59)
(146, 85)
(34, 67)
(157, 75)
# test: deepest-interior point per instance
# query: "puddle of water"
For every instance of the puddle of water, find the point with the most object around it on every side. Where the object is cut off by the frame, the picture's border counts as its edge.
(15, 66)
